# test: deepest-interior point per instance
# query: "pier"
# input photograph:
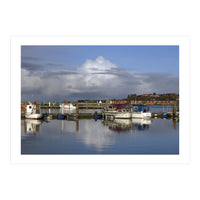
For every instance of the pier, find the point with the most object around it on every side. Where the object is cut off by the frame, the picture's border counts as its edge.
(80, 105)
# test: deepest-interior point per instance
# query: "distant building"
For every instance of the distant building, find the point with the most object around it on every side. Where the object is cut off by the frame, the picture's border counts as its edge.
(123, 101)
(137, 102)
(110, 101)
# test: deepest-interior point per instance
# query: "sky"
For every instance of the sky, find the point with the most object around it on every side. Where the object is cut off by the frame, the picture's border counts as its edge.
(72, 73)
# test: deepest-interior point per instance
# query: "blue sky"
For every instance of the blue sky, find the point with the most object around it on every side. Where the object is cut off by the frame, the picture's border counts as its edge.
(97, 72)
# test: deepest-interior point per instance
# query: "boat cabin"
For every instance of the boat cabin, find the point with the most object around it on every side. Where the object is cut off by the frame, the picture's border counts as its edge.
(29, 109)
(140, 108)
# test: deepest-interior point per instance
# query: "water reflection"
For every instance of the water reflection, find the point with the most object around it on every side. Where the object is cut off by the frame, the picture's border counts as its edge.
(93, 135)
(141, 124)
(118, 136)
(118, 125)
(125, 125)
(31, 126)
(67, 110)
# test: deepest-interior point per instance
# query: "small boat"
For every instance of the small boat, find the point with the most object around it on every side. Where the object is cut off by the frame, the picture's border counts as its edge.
(164, 115)
(47, 117)
(33, 111)
(140, 111)
(97, 116)
(68, 106)
(61, 117)
(118, 111)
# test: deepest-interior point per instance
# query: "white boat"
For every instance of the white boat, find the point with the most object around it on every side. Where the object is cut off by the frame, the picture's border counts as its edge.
(141, 111)
(109, 111)
(32, 112)
(68, 106)
(123, 114)
(118, 111)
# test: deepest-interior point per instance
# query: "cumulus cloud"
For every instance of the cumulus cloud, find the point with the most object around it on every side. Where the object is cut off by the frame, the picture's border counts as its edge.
(95, 79)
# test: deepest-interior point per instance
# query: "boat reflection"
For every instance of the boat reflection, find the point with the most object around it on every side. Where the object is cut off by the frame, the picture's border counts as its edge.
(118, 125)
(31, 126)
(141, 124)
(123, 125)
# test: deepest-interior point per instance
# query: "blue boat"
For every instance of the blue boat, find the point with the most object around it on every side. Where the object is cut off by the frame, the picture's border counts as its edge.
(164, 115)
(61, 117)
(97, 116)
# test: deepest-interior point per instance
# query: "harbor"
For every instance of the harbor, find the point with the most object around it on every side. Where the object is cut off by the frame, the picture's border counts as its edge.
(89, 130)
(73, 102)
(99, 136)
(80, 111)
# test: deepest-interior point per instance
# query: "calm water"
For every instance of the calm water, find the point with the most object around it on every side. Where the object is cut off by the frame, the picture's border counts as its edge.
(136, 136)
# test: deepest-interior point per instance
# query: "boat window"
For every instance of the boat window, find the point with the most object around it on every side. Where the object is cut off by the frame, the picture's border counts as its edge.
(30, 107)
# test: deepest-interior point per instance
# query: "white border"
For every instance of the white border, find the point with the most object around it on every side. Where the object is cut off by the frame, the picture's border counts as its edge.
(184, 91)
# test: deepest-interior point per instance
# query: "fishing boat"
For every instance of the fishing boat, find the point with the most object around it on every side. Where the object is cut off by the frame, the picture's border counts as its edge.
(118, 111)
(123, 114)
(109, 110)
(33, 111)
(68, 106)
(140, 111)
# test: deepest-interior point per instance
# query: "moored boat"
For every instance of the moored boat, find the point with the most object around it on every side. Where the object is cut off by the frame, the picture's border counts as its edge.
(118, 111)
(97, 115)
(61, 116)
(140, 111)
(68, 106)
(123, 114)
(164, 115)
(33, 111)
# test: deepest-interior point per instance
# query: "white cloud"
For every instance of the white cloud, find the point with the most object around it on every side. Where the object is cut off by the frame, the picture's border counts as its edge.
(95, 79)
(100, 65)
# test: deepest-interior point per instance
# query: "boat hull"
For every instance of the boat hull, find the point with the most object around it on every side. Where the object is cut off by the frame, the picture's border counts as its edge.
(123, 115)
(33, 116)
(141, 115)
(61, 117)
(164, 115)
(96, 116)
(109, 113)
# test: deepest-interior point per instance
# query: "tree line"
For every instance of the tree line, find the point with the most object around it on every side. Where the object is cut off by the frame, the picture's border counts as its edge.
(154, 96)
